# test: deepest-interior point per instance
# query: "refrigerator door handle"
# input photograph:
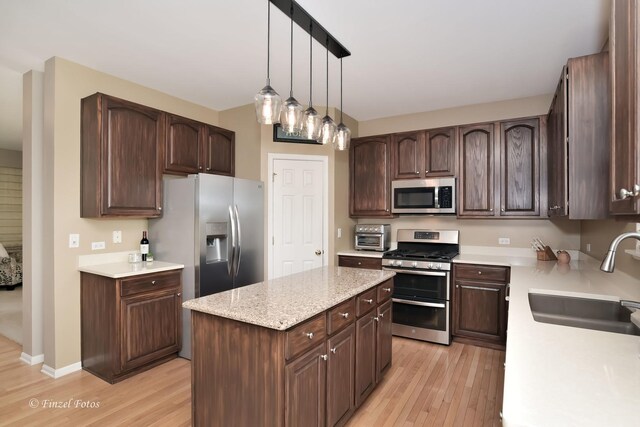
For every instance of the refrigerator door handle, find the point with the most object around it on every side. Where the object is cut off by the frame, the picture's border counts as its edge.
(231, 251)
(238, 251)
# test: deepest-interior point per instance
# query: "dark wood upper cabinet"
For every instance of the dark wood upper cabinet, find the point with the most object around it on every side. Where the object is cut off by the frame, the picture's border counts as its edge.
(121, 158)
(219, 151)
(183, 145)
(477, 171)
(578, 140)
(440, 152)
(625, 111)
(370, 177)
(408, 153)
(520, 168)
(424, 153)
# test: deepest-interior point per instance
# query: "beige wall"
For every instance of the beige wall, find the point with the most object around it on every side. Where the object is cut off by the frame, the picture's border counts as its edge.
(500, 110)
(600, 234)
(248, 139)
(559, 234)
(66, 84)
(10, 158)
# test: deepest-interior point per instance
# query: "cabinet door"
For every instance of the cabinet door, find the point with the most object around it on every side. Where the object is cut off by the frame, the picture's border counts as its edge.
(150, 327)
(183, 145)
(480, 311)
(365, 357)
(557, 150)
(477, 170)
(408, 152)
(440, 152)
(520, 168)
(219, 151)
(341, 376)
(305, 389)
(624, 87)
(132, 141)
(383, 339)
(370, 182)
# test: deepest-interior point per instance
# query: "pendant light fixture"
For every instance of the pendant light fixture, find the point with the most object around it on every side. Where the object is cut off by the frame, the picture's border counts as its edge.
(267, 102)
(343, 134)
(311, 120)
(328, 125)
(292, 110)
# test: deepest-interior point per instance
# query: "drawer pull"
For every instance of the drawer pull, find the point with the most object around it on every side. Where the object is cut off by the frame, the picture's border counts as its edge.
(359, 263)
(178, 294)
(309, 335)
(333, 350)
(368, 301)
(345, 315)
(377, 319)
(479, 288)
(153, 282)
(386, 289)
(324, 357)
(479, 272)
(381, 315)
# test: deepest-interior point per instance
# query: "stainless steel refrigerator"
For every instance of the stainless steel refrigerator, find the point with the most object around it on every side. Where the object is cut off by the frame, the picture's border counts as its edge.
(214, 226)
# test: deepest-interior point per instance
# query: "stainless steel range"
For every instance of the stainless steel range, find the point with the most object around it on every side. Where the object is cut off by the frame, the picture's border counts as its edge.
(422, 283)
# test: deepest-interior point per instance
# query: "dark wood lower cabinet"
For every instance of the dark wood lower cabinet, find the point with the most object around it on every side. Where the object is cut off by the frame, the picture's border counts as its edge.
(241, 375)
(129, 325)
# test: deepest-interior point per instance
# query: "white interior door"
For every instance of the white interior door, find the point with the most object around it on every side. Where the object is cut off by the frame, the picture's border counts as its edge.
(297, 215)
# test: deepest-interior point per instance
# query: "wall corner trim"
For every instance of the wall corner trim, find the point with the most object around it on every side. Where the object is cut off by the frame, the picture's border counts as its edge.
(57, 373)
(31, 360)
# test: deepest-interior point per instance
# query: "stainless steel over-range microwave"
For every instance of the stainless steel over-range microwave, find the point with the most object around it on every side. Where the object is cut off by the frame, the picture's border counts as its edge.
(424, 196)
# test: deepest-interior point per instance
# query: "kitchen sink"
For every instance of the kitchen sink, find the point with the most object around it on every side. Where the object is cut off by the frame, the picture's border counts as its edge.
(600, 315)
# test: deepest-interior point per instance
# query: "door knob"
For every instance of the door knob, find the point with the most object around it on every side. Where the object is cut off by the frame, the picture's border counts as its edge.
(318, 252)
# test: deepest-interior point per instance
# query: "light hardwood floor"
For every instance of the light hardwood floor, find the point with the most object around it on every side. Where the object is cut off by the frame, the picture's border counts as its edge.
(427, 385)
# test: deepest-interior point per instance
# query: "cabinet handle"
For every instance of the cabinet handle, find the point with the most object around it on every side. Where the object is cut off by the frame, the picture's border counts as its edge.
(376, 319)
(324, 357)
(153, 282)
(624, 193)
(368, 301)
(457, 286)
(502, 210)
(426, 171)
(417, 172)
(159, 208)
(333, 350)
(381, 315)
(200, 167)
(479, 288)
(310, 335)
(208, 169)
(491, 210)
(345, 315)
(178, 294)
(479, 272)
(386, 289)
(359, 263)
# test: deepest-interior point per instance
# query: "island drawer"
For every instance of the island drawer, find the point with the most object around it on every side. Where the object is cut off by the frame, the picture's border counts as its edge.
(385, 290)
(340, 316)
(150, 282)
(365, 301)
(360, 262)
(482, 272)
(304, 336)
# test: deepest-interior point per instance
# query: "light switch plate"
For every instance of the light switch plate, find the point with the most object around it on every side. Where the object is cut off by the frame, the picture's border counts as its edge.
(339, 233)
(74, 240)
(117, 236)
(97, 245)
(504, 241)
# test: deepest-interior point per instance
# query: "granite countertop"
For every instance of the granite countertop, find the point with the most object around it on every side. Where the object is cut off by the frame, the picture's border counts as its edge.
(558, 375)
(118, 270)
(286, 301)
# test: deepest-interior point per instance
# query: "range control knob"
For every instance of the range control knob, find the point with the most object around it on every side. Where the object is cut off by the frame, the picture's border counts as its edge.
(430, 265)
(398, 263)
(439, 266)
(414, 264)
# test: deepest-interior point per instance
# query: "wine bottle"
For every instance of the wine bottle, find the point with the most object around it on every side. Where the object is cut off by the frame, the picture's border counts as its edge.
(144, 246)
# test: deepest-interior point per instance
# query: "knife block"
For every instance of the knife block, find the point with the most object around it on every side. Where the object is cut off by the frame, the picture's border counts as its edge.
(546, 255)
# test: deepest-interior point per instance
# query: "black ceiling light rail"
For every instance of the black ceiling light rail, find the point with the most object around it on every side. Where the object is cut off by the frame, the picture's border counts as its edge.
(311, 26)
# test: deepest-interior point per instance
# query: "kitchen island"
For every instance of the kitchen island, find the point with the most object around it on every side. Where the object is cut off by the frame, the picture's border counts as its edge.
(559, 375)
(304, 349)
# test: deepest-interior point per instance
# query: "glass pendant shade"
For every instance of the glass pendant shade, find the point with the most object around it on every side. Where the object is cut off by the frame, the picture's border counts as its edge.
(328, 133)
(291, 119)
(311, 124)
(343, 137)
(268, 105)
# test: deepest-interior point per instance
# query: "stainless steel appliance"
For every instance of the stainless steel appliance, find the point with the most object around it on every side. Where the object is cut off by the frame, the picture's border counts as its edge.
(422, 285)
(424, 196)
(372, 237)
(214, 226)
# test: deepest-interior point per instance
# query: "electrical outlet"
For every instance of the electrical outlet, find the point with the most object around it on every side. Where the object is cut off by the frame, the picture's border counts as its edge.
(97, 245)
(588, 247)
(74, 240)
(339, 233)
(504, 241)
(117, 236)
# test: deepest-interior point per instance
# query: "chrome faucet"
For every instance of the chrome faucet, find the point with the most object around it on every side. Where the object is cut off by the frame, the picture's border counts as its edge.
(609, 261)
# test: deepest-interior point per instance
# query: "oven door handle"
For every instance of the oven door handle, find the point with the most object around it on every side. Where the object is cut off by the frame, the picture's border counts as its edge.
(421, 273)
(421, 304)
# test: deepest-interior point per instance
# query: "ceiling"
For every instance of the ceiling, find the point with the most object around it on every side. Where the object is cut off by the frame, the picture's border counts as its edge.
(407, 56)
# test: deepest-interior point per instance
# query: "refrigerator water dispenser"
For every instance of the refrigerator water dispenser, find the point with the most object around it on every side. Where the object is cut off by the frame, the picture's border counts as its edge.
(216, 242)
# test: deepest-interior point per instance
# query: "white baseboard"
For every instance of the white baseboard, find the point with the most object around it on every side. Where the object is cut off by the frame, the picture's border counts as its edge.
(57, 373)
(32, 360)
